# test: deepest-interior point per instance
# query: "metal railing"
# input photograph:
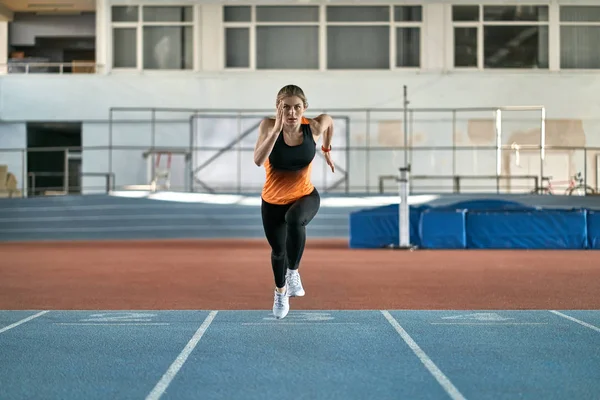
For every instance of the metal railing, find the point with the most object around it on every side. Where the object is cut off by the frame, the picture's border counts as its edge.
(33, 189)
(212, 150)
(501, 182)
(133, 168)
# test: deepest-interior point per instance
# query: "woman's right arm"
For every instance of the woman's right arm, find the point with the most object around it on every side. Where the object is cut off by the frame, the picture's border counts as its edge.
(265, 142)
(268, 131)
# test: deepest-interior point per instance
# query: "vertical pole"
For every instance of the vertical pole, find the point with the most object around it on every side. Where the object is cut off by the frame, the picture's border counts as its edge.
(239, 152)
(453, 142)
(403, 214)
(110, 138)
(405, 121)
(542, 142)
(66, 173)
(153, 140)
(25, 182)
(498, 147)
(411, 117)
(368, 153)
(404, 185)
(190, 157)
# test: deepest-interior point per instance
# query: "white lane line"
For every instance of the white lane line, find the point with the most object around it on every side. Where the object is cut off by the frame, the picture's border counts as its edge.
(23, 321)
(166, 379)
(300, 323)
(575, 320)
(488, 323)
(430, 365)
(112, 324)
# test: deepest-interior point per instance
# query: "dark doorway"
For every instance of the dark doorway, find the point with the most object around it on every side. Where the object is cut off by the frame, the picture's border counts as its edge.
(54, 158)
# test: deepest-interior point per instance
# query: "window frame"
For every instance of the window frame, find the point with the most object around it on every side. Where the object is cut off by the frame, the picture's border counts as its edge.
(322, 25)
(561, 23)
(139, 27)
(481, 23)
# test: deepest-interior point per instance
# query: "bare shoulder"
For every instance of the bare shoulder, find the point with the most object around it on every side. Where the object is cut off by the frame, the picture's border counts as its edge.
(266, 124)
(320, 123)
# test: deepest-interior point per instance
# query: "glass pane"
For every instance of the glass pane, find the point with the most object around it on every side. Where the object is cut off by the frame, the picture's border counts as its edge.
(408, 47)
(124, 47)
(287, 13)
(297, 47)
(515, 13)
(168, 14)
(237, 47)
(358, 13)
(579, 47)
(408, 13)
(465, 13)
(168, 47)
(125, 13)
(465, 47)
(237, 14)
(580, 13)
(358, 47)
(515, 46)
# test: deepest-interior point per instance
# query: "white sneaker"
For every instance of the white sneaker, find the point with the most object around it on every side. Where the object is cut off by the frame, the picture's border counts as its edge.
(281, 305)
(294, 283)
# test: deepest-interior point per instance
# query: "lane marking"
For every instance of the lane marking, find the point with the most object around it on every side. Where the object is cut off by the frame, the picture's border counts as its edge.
(488, 323)
(429, 364)
(300, 323)
(575, 320)
(479, 317)
(112, 323)
(23, 321)
(166, 379)
(119, 317)
(304, 316)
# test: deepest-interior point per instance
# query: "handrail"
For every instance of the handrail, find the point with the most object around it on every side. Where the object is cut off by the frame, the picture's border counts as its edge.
(456, 179)
(109, 178)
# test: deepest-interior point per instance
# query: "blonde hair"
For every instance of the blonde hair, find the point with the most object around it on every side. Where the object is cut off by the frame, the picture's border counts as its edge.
(291, 90)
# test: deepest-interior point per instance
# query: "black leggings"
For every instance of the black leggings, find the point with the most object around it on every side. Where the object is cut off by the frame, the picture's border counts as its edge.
(285, 229)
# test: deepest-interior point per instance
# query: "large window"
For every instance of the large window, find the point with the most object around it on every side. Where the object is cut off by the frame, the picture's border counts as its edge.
(153, 37)
(322, 37)
(579, 37)
(500, 36)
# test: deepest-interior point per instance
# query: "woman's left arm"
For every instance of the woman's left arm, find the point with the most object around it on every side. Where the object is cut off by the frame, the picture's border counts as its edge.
(325, 128)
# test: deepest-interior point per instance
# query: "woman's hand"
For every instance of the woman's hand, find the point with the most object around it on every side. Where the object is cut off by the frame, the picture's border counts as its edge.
(327, 156)
(278, 126)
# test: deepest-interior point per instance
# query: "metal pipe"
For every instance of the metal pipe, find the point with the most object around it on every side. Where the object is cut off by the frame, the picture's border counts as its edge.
(542, 142)
(498, 128)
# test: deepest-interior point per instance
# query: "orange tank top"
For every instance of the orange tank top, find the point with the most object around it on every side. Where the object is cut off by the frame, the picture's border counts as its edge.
(288, 169)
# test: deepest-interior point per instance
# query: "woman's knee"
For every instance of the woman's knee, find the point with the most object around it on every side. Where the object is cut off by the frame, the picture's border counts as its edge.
(293, 219)
(277, 254)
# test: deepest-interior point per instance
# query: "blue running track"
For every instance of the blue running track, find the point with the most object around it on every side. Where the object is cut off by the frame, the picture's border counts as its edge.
(308, 355)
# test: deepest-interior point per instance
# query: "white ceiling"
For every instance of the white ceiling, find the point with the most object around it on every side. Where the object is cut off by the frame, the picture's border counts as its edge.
(50, 6)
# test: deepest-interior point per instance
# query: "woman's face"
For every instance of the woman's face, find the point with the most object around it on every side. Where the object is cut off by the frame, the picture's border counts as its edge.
(293, 110)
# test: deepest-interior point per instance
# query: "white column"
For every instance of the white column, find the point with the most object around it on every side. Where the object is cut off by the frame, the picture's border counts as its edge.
(3, 47)
(554, 37)
(211, 38)
(434, 37)
(102, 36)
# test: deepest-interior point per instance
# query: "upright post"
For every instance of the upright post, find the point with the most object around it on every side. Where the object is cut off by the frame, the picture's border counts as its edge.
(403, 212)
(498, 147)
(543, 143)
(405, 122)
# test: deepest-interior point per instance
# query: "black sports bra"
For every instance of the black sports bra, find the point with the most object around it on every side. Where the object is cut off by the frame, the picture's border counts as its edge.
(293, 158)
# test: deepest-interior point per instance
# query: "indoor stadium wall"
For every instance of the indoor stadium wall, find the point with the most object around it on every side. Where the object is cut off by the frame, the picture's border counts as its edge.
(569, 123)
